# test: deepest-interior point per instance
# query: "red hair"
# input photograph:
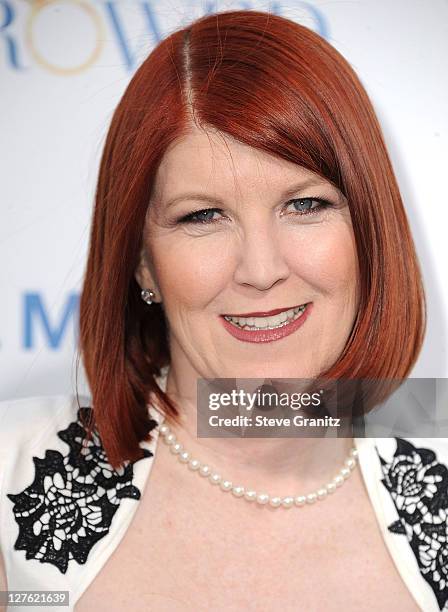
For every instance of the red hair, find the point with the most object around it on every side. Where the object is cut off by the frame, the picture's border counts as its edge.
(279, 87)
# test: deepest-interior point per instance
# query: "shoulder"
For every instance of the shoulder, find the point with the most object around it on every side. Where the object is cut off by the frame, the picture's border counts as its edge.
(36, 410)
(36, 435)
(417, 450)
(49, 470)
(28, 420)
(414, 476)
(415, 469)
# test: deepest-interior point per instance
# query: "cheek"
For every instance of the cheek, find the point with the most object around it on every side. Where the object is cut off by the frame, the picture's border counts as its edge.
(326, 259)
(191, 273)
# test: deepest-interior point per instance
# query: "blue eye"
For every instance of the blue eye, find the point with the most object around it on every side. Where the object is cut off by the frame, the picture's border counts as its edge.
(308, 205)
(204, 216)
(200, 216)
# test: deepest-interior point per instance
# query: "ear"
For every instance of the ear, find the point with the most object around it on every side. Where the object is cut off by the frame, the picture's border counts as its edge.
(144, 275)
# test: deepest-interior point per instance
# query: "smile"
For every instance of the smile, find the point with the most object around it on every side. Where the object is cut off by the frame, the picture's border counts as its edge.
(272, 322)
(268, 328)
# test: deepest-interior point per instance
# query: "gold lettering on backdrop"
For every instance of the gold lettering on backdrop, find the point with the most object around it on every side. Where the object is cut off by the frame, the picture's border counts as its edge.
(36, 7)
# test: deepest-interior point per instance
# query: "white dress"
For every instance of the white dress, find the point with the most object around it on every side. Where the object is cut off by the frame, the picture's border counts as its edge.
(63, 515)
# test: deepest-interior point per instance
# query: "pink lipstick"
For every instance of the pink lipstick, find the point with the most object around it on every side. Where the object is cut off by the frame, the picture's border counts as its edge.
(267, 335)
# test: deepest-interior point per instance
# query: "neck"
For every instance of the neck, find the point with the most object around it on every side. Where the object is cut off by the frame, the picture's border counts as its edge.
(278, 465)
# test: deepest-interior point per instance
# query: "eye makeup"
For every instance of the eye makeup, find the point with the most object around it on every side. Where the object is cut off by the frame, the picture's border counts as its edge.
(200, 217)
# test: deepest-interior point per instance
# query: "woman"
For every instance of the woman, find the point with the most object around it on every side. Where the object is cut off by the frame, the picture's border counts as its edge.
(244, 172)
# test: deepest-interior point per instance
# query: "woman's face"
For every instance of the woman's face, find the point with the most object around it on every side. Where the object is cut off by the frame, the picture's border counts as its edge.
(264, 245)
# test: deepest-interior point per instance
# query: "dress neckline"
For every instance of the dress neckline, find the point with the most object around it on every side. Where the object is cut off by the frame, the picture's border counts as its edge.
(370, 467)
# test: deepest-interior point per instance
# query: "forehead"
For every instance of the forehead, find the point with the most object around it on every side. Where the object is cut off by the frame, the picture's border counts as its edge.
(212, 160)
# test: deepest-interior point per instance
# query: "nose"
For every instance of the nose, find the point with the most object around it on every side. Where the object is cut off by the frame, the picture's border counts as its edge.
(261, 261)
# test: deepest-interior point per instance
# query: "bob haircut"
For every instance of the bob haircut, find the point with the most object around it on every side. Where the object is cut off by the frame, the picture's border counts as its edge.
(279, 87)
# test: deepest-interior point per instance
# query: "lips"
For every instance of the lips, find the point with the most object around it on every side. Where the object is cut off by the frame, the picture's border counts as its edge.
(268, 313)
(267, 335)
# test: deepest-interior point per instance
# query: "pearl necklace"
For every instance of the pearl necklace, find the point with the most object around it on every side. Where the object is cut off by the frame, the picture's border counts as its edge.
(249, 494)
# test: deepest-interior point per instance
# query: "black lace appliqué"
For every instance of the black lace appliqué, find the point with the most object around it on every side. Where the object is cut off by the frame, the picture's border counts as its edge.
(418, 485)
(71, 502)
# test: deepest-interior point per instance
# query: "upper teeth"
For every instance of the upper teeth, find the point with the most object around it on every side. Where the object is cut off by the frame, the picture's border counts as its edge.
(268, 322)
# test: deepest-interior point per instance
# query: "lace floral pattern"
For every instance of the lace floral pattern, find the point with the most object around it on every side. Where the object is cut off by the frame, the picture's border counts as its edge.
(71, 502)
(418, 485)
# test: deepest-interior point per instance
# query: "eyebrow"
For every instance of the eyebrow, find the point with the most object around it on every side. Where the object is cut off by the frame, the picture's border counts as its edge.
(202, 197)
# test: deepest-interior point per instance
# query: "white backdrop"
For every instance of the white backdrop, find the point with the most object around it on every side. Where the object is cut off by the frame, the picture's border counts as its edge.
(64, 66)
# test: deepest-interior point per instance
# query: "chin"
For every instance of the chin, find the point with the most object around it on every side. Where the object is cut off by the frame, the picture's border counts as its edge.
(275, 370)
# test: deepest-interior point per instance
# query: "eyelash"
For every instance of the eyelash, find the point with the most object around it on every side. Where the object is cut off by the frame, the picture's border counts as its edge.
(189, 219)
